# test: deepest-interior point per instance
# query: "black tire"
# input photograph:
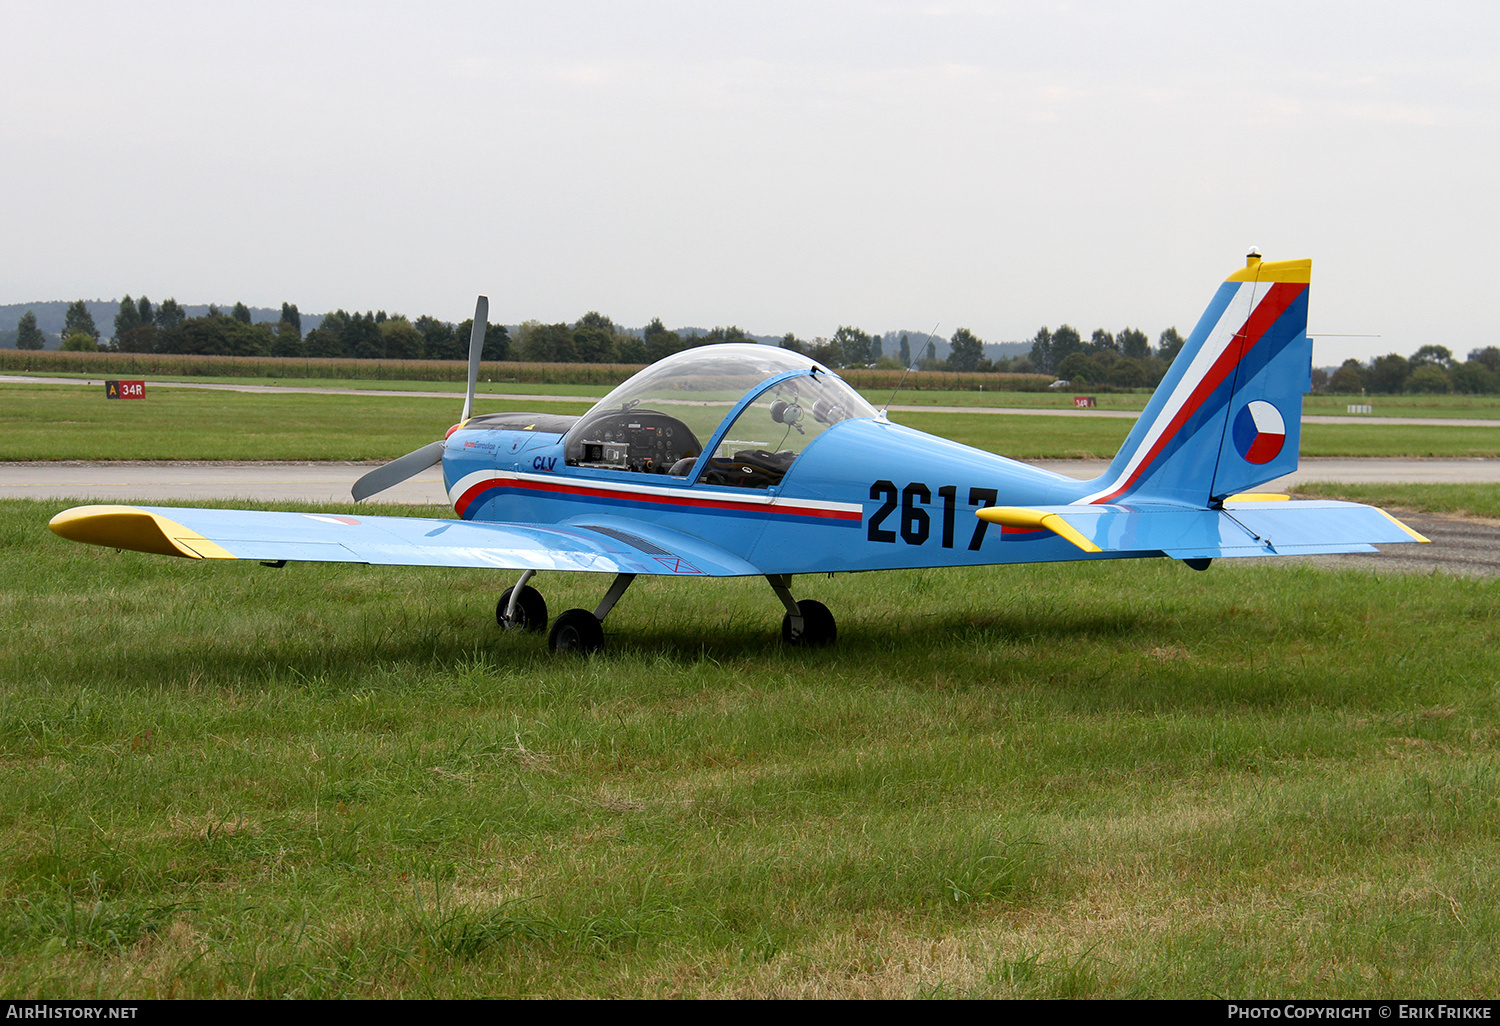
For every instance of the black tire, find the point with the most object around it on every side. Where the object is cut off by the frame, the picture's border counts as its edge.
(531, 611)
(818, 626)
(577, 630)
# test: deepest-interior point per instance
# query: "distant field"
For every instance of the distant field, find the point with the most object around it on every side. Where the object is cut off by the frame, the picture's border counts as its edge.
(1017, 400)
(1101, 780)
(518, 379)
(1475, 500)
(166, 366)
(381, 384)
(910, 396)
(1399, 440)
(42, 422)
(1460, 406)
(1024, 437)
(1029, 437)
(1463, 407)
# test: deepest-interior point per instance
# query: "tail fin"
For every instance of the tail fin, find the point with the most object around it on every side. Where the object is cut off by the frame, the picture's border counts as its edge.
(1228, 415)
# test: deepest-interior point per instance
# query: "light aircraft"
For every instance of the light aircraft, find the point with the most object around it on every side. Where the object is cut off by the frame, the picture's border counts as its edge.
(743, 460)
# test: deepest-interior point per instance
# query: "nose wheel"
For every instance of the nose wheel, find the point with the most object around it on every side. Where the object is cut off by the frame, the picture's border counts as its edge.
(577, 630)
(522, 608)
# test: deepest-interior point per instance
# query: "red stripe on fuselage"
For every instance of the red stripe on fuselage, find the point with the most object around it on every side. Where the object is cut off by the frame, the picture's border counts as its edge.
(685, 501)
(1265, 314)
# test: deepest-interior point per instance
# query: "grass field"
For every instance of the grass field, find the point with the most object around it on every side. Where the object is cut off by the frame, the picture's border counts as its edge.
(47, 422)
(1485, 407)
(1472, 500)
(454, 388)
(41, 422)
(913, 394)
(1095, 780)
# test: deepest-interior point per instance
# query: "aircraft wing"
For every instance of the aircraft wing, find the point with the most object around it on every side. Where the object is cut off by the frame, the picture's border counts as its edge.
(596, 544)
(1245, 526)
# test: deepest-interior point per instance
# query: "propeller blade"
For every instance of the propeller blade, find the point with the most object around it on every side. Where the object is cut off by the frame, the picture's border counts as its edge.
(398, 470)
(476, 347)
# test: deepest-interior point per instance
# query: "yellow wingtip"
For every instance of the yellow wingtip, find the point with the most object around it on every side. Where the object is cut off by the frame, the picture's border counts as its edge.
(129, 527)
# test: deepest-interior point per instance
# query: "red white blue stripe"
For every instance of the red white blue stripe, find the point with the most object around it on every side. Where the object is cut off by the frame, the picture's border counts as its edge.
(471, 492)
(1246, 317)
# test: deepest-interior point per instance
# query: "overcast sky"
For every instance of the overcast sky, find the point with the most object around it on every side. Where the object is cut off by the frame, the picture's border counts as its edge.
(780, 166)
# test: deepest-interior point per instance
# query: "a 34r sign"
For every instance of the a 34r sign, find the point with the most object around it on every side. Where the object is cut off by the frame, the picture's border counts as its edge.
(124, 390)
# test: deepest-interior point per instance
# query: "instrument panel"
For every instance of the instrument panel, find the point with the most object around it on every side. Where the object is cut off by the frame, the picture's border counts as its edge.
(637, 440)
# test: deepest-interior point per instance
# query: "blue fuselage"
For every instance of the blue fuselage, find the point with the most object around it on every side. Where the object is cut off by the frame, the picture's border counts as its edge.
(864, 495)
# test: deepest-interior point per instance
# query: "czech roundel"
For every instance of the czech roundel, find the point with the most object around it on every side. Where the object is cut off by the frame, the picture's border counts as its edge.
(1259, 432)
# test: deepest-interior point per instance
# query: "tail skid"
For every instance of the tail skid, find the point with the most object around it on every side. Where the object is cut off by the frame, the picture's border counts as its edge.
(1227, 416)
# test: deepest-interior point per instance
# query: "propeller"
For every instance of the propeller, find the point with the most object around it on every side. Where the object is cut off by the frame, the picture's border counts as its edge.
(431, 454)
(476, 346)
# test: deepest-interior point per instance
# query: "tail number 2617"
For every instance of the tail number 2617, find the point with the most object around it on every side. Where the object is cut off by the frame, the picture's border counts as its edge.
(916, 522)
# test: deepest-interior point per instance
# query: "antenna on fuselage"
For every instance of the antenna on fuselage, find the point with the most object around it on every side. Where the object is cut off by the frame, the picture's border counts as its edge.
(915, 360)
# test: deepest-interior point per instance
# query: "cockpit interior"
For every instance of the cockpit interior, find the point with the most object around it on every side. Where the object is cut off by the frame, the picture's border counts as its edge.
(758, 406)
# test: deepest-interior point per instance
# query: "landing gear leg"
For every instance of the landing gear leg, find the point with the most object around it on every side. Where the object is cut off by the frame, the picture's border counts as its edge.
(806, 623)
(579, 630)
(522, 608)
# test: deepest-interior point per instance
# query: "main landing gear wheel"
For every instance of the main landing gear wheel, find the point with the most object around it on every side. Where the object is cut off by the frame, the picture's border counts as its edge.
(577, 630)
(818, 627)
(531, 610)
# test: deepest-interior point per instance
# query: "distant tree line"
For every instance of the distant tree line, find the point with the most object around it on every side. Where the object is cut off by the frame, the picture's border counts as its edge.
(79, 332)
(595, 338)
(1432, 370)
(141, 327)
(1121, 360)
(849, 347)
(1125, 359)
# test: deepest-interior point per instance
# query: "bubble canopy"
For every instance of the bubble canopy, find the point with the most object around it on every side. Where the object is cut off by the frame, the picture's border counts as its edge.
(665, 415)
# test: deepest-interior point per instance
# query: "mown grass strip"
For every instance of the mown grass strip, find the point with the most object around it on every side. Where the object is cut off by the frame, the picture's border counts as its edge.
(136, 365)
(1086, 780)
(1029, 437)
(1473, 500)
(492, 386)
(61, 422)
(42, 422)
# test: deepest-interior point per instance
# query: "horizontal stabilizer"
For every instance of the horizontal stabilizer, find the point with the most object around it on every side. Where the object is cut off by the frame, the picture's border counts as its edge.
(1036, 520)
(594, 544)
(1245, 526)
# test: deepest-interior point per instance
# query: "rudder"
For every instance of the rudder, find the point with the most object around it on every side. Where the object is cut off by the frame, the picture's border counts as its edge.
(1228, 414)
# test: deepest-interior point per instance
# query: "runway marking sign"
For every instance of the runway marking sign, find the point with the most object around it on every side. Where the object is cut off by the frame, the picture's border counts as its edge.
(124, 390)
